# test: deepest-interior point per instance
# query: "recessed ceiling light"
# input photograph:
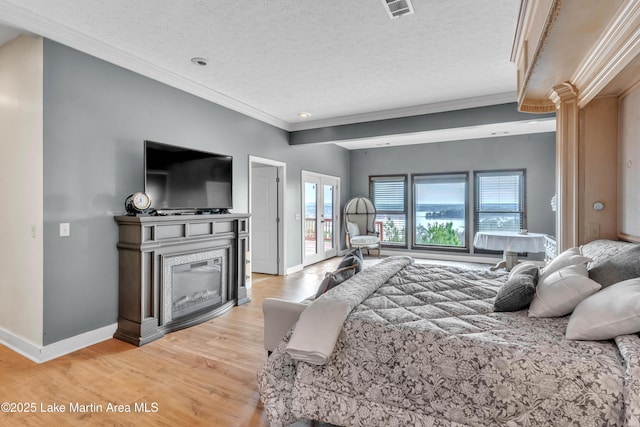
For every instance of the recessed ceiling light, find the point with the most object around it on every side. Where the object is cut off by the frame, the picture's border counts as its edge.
(304, 115)
(200, 61)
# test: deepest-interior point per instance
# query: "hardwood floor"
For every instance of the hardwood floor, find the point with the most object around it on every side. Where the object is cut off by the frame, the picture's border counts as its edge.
(201, 376)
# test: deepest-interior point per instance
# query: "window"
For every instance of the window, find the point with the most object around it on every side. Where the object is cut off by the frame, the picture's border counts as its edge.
(389, 196)
(440, 210)
(500, 200)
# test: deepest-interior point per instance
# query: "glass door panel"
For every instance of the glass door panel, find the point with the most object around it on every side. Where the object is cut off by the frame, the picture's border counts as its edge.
(327, 218)
(321, 221)
(310, 218)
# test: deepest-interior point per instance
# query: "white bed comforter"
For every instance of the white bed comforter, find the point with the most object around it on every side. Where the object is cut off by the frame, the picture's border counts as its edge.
(426, 348)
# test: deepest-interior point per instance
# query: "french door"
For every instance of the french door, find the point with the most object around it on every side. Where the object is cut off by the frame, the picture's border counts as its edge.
(321, 222)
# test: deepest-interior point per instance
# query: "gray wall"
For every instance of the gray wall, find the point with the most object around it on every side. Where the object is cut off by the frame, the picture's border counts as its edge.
(96, 116)
(535, 153)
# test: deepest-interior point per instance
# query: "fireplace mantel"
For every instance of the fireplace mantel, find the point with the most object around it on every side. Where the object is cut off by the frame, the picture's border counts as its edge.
(146, 242)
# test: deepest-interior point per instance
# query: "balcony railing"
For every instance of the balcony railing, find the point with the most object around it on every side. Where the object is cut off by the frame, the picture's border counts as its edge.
(310, 229)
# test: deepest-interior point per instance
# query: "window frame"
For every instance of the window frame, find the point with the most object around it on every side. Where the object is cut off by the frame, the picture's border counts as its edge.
(423, 247)
(523, 200)
(396, 178)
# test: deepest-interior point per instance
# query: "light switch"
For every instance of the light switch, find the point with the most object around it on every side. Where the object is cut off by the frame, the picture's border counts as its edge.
(65, 229)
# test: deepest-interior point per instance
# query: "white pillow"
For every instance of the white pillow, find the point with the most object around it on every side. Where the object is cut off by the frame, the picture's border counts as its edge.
(353, 229)
(611, 312)
(560, 292)
(571, 256)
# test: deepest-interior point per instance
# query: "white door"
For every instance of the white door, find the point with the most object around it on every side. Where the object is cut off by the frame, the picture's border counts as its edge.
(264, 219)
(321, 198)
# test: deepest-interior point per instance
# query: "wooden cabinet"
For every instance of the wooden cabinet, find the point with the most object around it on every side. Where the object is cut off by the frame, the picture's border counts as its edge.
(581, 59)
(149, 246)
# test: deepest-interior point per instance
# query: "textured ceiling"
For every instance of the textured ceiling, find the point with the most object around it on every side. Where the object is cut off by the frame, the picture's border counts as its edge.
(341, 61)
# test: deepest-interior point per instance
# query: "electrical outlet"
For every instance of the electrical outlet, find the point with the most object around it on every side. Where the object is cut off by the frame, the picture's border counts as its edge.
(65, 229)
(593, 230)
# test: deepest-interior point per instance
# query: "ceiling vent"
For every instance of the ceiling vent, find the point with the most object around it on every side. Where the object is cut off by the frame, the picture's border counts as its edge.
(397, 8)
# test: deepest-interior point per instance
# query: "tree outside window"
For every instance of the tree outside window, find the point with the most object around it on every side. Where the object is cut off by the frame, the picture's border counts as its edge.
(440, 210)
(389, 195)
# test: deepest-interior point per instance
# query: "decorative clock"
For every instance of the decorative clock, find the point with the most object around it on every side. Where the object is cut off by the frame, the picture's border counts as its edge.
(137, 203)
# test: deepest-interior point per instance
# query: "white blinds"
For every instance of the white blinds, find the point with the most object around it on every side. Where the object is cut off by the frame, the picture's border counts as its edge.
(500, 201)
(388, 194)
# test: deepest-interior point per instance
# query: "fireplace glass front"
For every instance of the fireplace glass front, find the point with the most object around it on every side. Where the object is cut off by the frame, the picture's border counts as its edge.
(194, 282)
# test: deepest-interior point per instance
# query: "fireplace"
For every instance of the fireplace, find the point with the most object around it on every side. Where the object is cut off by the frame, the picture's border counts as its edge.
(193, 282)
(179, 270)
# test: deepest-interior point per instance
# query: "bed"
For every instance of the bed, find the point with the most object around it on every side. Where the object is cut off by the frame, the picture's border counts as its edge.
(421, 344)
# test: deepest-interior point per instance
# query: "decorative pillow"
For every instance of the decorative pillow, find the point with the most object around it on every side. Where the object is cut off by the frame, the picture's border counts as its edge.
(525, 267)
(353, 229)
(571, 256)
(611, 312)
(623, 266)
(335, 278)
(519, 289)
(601, 250)
(353, 257)
(560, 292)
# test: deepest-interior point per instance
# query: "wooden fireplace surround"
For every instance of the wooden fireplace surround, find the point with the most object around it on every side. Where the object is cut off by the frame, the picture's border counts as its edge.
(143, 243)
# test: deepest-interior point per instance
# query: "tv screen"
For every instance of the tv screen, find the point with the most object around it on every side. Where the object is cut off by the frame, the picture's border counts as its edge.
(178, 178)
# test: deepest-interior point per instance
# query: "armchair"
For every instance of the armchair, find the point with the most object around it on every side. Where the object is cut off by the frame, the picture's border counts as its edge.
(359, 220)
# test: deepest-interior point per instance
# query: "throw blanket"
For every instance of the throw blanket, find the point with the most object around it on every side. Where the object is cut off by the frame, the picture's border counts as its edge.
(317, 330)
(426, 348)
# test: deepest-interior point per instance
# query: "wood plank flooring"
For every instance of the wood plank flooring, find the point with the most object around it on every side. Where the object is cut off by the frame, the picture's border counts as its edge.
(201, 376)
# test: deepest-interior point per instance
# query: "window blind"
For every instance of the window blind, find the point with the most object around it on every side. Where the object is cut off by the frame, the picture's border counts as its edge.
(500, 201)
(389, 196)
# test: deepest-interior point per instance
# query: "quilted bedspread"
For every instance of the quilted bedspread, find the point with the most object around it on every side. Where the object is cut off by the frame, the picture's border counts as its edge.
(426, 349)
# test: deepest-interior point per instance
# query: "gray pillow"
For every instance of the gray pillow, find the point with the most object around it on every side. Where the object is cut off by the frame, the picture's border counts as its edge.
(353, 257)
(335, 278)
(620, 267)
(519, 290)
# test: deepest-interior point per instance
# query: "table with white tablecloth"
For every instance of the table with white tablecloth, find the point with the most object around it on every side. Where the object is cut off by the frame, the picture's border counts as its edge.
(511, 243)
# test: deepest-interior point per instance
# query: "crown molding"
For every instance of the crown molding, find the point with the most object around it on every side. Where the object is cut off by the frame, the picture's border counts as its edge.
(438, 107)
(615, 48)
(20, 17)
(17, 16)
(539, 13)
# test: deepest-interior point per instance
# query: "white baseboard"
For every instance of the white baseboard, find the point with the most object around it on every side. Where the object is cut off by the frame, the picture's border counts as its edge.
(41, 354)
(295, 269)
(20, 345)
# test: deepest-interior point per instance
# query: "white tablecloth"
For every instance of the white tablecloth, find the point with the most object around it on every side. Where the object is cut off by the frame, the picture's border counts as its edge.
(509, 241)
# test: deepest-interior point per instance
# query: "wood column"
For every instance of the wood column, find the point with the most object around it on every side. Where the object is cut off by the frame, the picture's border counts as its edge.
(565, 97)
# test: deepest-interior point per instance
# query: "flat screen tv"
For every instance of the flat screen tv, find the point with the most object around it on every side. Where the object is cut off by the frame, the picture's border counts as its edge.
(178, 179)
